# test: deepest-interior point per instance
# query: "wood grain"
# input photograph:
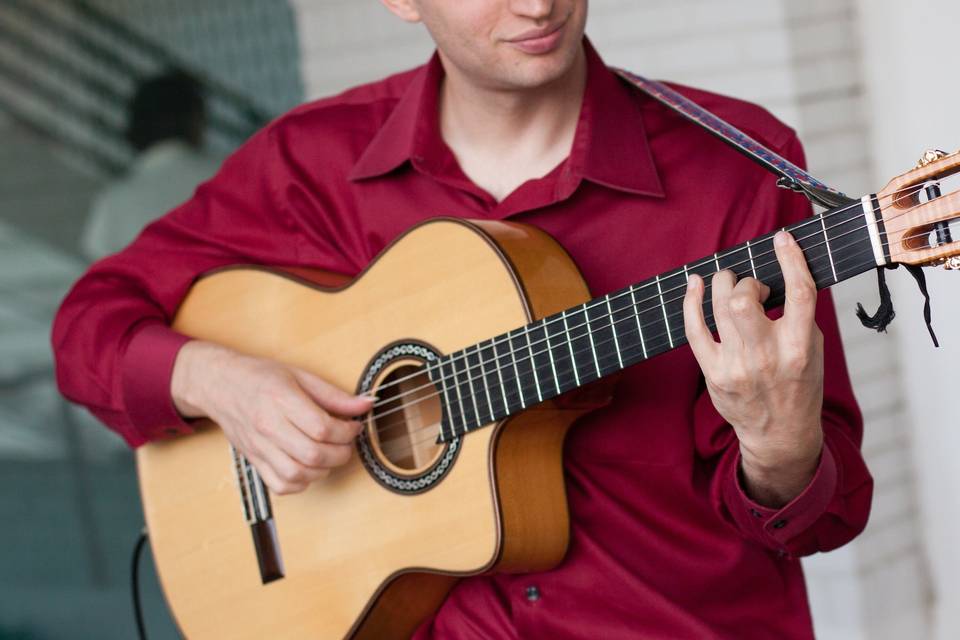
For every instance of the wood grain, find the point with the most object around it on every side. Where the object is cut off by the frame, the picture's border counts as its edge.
(907, 219)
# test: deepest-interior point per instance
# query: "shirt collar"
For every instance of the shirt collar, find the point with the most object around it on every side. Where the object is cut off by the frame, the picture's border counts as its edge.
(610, 146)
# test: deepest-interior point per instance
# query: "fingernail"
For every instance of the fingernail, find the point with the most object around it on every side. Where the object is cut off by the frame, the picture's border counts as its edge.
(782, 239)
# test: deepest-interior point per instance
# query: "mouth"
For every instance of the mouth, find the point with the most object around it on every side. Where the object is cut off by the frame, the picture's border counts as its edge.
(539, 41)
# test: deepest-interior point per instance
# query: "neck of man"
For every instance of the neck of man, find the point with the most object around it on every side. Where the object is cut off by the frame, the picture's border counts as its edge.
(503, 138)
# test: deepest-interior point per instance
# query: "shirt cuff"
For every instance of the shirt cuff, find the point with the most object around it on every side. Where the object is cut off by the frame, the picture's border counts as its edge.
(776, 527)
(146, 370)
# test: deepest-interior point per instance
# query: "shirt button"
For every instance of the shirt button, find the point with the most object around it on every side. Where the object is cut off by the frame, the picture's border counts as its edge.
(755, 513)
(779, 524)
(532, 593)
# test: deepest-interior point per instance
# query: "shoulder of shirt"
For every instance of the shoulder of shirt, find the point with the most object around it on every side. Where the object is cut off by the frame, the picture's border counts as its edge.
(750, 118)
(351, 106)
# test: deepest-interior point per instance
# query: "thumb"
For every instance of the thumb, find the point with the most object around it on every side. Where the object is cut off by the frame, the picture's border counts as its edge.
(331, 398)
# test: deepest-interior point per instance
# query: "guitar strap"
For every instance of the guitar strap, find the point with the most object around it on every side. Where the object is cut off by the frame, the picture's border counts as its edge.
(790, 176)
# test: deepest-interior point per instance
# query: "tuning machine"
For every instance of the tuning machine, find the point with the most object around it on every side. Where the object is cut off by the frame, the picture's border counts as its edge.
(952, 264)
(930, 156)
(942, 229)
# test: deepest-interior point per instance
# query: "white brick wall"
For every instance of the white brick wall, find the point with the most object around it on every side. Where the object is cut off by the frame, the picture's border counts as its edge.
(801, 61)
(906, 121)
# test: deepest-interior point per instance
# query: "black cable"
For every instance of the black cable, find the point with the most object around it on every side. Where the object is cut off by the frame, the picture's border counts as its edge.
(135, 584)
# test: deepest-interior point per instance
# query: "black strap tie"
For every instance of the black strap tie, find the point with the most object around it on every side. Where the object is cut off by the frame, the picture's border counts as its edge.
(885, 313)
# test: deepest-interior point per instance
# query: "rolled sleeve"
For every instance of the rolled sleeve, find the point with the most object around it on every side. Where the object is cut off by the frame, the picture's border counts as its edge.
(146, 370)
(776, 528)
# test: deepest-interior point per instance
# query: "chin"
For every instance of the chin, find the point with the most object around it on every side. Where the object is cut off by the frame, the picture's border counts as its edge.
(522, 70)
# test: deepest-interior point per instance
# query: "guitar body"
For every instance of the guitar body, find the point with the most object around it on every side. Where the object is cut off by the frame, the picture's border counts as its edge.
(363, 556)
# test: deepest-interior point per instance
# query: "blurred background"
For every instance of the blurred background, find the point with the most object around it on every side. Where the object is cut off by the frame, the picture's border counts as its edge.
(867, 85)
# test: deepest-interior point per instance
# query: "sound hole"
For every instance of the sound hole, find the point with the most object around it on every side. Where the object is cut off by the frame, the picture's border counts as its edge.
(407, 423)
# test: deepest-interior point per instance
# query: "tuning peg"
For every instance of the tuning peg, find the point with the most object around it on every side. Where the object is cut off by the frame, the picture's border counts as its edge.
(952, 264)
(929, 156)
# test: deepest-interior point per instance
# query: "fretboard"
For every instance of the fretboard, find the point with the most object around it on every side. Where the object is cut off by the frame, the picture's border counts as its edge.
(501, 376)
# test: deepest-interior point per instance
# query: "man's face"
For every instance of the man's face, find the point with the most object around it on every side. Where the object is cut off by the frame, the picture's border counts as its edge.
(505, 44)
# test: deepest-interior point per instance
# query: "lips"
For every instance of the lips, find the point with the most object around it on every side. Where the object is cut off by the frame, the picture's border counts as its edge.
(538, 41)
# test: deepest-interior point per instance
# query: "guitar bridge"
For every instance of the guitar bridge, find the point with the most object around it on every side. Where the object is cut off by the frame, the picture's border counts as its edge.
(258, 514)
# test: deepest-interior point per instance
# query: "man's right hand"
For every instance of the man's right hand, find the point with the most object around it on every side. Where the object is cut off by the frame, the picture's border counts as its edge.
(290, 424)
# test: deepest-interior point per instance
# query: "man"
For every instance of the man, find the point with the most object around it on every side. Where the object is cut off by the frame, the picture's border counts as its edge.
(167, 117)
(691, 496)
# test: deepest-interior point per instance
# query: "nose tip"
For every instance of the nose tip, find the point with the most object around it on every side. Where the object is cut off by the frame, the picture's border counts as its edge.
(539, 10)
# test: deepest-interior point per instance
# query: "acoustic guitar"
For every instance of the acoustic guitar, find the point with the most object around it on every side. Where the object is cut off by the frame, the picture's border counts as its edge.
(458, 470)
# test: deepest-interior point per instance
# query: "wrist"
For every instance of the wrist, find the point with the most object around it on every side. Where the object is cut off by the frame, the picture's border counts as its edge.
(191, 370)
(775, 476)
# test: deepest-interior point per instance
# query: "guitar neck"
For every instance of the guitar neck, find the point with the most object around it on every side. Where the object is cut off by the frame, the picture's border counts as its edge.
(496, 378)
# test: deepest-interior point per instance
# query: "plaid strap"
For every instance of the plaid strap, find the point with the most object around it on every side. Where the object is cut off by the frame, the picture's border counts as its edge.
(791, 176)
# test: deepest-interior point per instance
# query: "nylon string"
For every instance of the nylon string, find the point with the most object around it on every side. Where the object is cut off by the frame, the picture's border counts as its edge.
(514, 391)
(631, 316)
(534, 326)
(704, 262)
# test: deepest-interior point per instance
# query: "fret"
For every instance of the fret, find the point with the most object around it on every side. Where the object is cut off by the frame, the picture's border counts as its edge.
(737, 260)
(716, 262)
(613, 329)
(753, 265)
(464, 396)
(547, 324)
(581, 342)
(561, 355)
(768, 268)
(826, 240)
(706, 269)
(533, 366)
(602, 338)
(655, 331)
(573, 358)
(809, 236)
(623, 322)
(505, 370)
(444, 375)
(848, 239)
(589, 334)
(542, 358)
(663, 308)
(478, 385)
(636, 312)
(673, 286)
(488, 365)
(521, 365)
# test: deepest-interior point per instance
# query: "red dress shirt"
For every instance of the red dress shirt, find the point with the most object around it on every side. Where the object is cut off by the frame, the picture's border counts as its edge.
(664, 544)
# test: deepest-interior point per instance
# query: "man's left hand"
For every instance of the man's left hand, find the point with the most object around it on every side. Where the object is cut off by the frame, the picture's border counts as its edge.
(765, 377)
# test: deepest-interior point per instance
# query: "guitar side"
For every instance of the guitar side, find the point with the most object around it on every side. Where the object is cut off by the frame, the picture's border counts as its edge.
(358, 559)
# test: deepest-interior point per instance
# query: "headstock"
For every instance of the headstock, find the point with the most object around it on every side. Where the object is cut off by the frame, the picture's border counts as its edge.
(917, 216)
